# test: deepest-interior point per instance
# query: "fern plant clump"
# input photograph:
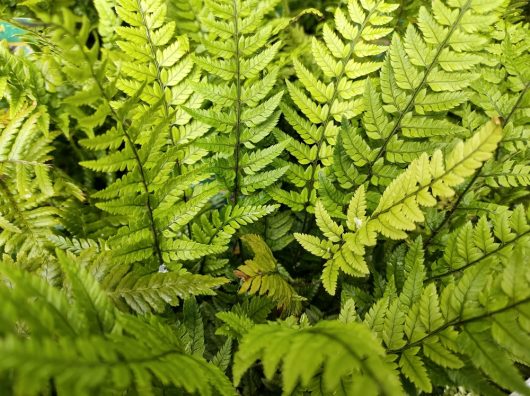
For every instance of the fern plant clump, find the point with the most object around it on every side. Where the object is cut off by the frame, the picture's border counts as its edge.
(265, 197)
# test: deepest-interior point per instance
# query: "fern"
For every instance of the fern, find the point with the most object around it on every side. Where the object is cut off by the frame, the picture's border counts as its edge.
(150, 141)
(500, 170)
(88, 343)
(245, 108)
(399, 208)
(331, 344)
(349, 52)
(424, 76)
(152, 292)
(264, 197)
(147, 189)
(187, 13)
(31, 188)
(445, 326)
(264, 276)
(471, 244)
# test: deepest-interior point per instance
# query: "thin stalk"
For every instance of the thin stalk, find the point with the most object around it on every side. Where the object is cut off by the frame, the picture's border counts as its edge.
(329, 118)
(460, 322)
(237, 148)
(475, 177)
(411, 101)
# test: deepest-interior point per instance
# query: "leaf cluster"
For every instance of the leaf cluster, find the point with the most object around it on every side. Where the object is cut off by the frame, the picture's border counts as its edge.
(261, 197)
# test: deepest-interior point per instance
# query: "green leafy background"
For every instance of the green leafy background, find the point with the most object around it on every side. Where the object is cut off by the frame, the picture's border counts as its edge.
(265, 197)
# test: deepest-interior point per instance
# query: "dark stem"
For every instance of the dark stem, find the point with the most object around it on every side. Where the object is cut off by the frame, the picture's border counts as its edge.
(237, 147)
(145, 187)
(474, 262)
(410, 104)
(460, 322)
(517, 103)
(474, 179)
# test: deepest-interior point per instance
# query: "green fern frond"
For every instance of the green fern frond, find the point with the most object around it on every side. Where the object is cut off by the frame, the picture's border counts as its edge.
(79, 361)
(216, 229)
(240, 49)
(424, 77)
(86, 73)
(28, 193)
(470, 245)
(390, 140)
(399, 208)
(445, 326)
(153, 292)
(187, 13)
(152, 143)
(243, 316)
(347, 53)
(194, 327)
(342, 349)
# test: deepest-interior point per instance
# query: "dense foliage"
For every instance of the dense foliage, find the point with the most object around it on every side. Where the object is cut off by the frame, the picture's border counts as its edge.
(265, 197)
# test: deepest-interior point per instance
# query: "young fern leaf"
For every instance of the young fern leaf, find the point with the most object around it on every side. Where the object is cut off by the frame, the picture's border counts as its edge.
(217, 228)
(264, 276)
(347, 53)
(399, 208)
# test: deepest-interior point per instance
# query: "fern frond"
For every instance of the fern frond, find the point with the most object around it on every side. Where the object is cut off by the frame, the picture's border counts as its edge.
(27, 184)
(399, 208)
(390, 140)
(216, 229)
(153, 292)
(240, 49)
(264, 276)
(347, 349)
(471, 245)
(194, 327)
(152, 143)
(425, 76)
(82, 362)
(447, 326)
(347, 53)
(187, 13)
